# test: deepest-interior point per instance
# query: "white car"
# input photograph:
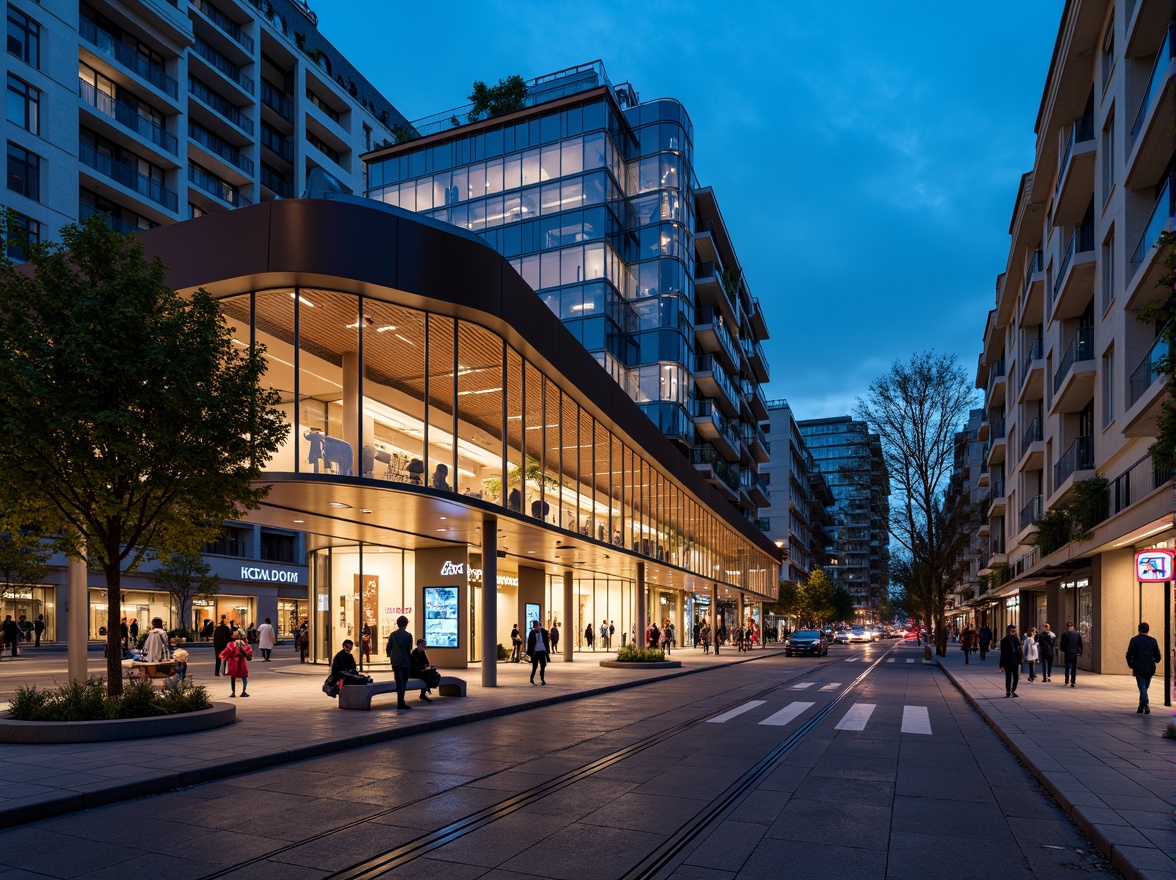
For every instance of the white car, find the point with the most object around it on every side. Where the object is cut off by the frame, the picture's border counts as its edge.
(859, 634)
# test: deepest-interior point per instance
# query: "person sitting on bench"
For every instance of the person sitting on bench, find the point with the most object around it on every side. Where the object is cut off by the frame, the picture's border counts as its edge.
(419, 667)
(343, 668)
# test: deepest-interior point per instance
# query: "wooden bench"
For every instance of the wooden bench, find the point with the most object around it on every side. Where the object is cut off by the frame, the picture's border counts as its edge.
(140, 670)
(359, 696)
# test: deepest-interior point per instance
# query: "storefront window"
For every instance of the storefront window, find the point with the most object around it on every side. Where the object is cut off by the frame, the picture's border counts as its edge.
(25, 604)
(357, 587)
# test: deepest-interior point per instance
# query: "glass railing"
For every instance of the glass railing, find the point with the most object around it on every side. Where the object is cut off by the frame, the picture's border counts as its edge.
(223, 64)
(707, 269)
(997, 489)
(724, 470)
(996, 371)
(213, 185)
(275, 141)
(1081, 348)
(997, 430)
(1082, 130)
(1081, 241)
(1032, 268)
(1078, 457)
(277, 100)
(1161, 218)
(1036, 352)
(706, 363)
(128, 117)
(225, 24)
(1031, 435)
(1031, 513)
(1156, 81)
(85, 212)
(219, 147)
(127, 56)
(220, 105)
(1148, 370)
(276, 183)
(148, 187)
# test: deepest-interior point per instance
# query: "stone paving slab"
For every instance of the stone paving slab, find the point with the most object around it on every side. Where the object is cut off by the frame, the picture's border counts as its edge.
(1109, 768)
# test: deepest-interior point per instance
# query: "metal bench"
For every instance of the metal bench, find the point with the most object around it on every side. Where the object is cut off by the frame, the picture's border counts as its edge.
(359, 696)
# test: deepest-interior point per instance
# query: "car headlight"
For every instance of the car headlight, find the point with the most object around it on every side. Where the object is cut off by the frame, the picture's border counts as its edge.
(788, 643)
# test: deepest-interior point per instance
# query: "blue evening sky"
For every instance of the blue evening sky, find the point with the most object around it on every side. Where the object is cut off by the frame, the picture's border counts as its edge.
(865, 155)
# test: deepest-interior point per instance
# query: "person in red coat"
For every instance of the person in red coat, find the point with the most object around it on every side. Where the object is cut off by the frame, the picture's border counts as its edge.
(236, 656)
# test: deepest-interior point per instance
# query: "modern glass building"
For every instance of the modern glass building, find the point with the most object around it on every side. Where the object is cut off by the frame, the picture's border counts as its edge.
(591, 196)
(454, 454)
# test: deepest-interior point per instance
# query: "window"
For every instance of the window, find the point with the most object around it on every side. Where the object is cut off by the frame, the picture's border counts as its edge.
(1108, 271)
(1108, 389)
(22, 229)
(24, 38)
(24, 172)
(1108, 51)
(24, 103)
(1108, 157)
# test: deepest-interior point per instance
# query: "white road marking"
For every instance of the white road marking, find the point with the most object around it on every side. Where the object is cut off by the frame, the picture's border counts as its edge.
(909, 660)
(851, 660)
(833, 685)
(890, 660)
(739, 710)
(856, 717)
(915, 720)
(803, 685)
(787, 714)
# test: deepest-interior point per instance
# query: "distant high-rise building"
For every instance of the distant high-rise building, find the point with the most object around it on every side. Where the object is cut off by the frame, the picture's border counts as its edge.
(850, 458)
(799, 517)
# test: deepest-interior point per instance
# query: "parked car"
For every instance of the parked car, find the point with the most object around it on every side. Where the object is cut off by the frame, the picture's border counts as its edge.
(806, 641)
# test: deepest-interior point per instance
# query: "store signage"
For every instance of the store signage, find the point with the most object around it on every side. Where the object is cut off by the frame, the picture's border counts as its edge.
(1154, 566)
(503, 580)
(394, 609)
(277, 575)
(1013, 602)
(452, 568)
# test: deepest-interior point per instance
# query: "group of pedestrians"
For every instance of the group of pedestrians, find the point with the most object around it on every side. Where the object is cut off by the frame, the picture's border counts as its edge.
(15, 631)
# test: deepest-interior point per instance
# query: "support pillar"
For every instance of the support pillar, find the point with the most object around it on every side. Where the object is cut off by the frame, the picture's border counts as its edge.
(351, 424)
(641, 610)
(77, 618)
(714, 596)
(569, 638)
(489, 630)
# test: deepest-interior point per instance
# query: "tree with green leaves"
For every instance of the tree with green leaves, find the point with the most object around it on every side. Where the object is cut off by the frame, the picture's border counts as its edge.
(916, 408)
(815, 597)
(131, 419)
(786, 600)
(24, 555)
(509, 96)
(185, 576)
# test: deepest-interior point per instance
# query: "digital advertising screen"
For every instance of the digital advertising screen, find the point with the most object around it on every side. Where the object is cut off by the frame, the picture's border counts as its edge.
(532, 614)
(441, 617)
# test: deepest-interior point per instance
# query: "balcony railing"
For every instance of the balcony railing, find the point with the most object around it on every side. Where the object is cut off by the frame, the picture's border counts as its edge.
(1035, 353)
(276, 183)
(148, 187)
(996, 371)
(225, 24)
(706, 363)
(1081, 241)
(1082, 130)
(1034, 266)
(128, 117)
(277, 100)
(85, 212)
(997, 489)
(1081, 348)
(706, 408)
(1161, 218)
(275, 141)
(707, 315)
(213, 185)
(220, 105)
(1155, 82)
(1031, 513)
(1078, 457)
(997, 430)
(1134, 484)
(724, 470)
(127, 57)
(223, 64)
(1149, 368)
(1031, 435)
(219, 147)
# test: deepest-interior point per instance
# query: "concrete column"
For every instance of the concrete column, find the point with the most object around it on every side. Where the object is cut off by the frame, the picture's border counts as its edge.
(642, 600)
(569, 636)
(714, 613)
(77, 619)
(351, 429)
(489, 630)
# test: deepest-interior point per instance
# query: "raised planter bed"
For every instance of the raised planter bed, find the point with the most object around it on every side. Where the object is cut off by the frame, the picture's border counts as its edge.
(42, 732)
(628, 664)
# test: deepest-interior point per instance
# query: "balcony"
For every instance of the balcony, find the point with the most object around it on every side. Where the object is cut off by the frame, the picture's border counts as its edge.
(128, 117)
(761, 495)
(214, 186)
(761, 449)
(1074, 284)
(997, 443)
(757, 360)
(1031, 513)
(713, 337)
(1136, 483)
(225, 24)
(273, 141)
(1145, 268)
(275, 183)
(1074, 379)
(226, 67)
(753, 395)
(221, 148)
(715, 427)
(759, 325)
(996, 498)
(1075, 185)
(127, 176)
(219, 105)
(996, 384)
(712, 381)
(1150, 140)
(1145, 392)
(1032, 447)
(127, 57)
(1033, 371)
(721, 474)
(85, 212)
(1076, 461)
(1032, 294)
(277, 100)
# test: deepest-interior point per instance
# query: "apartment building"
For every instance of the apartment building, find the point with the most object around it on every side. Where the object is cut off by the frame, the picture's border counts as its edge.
(1068, 369)
(799, 518)
(850, 458)
(591, 196)
(969, 484)
(151, 112)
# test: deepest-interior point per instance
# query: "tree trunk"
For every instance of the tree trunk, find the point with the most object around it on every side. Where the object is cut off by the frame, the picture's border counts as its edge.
(113, 635)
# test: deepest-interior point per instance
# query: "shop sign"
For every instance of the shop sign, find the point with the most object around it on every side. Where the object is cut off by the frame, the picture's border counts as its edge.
(275, 575)
(394, 609)
(503, 580)
(1012, 602)
(1154, 566)
(452, 568)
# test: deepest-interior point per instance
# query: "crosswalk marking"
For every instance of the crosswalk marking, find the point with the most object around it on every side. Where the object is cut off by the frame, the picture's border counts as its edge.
(909, 660)
(785, 715)
(803, 685)
(833, 685)
(915, 720)
(739, 710)
(856, 717)
(851, 660)
(890, 660)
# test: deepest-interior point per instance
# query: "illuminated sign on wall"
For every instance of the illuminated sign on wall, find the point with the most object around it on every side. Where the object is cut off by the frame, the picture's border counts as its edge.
(275, 575)
(1154, 566)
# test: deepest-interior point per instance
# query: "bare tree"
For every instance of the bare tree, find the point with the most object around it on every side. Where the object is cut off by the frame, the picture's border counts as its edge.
(916, 409)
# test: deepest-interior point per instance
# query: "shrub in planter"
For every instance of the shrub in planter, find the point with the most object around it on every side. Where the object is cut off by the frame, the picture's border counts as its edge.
(87, 701)
(640, 655)
(503, 653)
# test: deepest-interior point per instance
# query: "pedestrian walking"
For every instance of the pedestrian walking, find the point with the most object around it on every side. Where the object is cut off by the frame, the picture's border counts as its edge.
(654, 636)
(122, 632)
(1070, 646)
(516, 644)
(1143, 653)
(133, 630)
(221, 636)
(588, 636)
(704, 633)
(985, 637)
(265, 640)
(365, 644)
(612, 631)
(554, 637)
(605, 642)
(538, 640)
(236, 656)
(1047, 645)
(1011, 657)
(302, 641)
(399, 651)
(1029, 649)
(11, 633)
(967, 642)
(38, 629)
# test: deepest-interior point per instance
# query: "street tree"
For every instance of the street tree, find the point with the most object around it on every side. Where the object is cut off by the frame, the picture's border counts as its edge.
(787, 600)
(815, 597)
(185, 577)
(840, 604)
(130, 417)
(916, 408)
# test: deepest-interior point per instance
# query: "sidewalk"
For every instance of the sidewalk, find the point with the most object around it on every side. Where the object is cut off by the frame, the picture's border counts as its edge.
(288, 718)
(1110, 769)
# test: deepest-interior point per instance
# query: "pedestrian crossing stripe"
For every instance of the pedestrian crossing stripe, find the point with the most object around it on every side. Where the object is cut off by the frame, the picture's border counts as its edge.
(916, 720)
(910, 660)
(738, 710)
(890, 660)
(856, 717)
(803, 685)
(851, 660)
(787, 714)
(833, 685)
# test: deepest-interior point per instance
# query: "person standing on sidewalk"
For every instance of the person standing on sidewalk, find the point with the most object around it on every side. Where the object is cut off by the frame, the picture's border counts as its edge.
(400, 656)
(538, 641)
(516, 644)
(1029, 649)
(221, 636)
(1047, 643)
(1011, 658)
(1070, 645)
(985, 640)
(38, 629)
(967, 642)
(1143, 653)
(236, 656)
(265, 640)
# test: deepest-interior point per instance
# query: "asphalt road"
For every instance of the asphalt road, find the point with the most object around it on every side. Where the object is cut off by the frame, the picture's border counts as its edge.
(860, 764)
